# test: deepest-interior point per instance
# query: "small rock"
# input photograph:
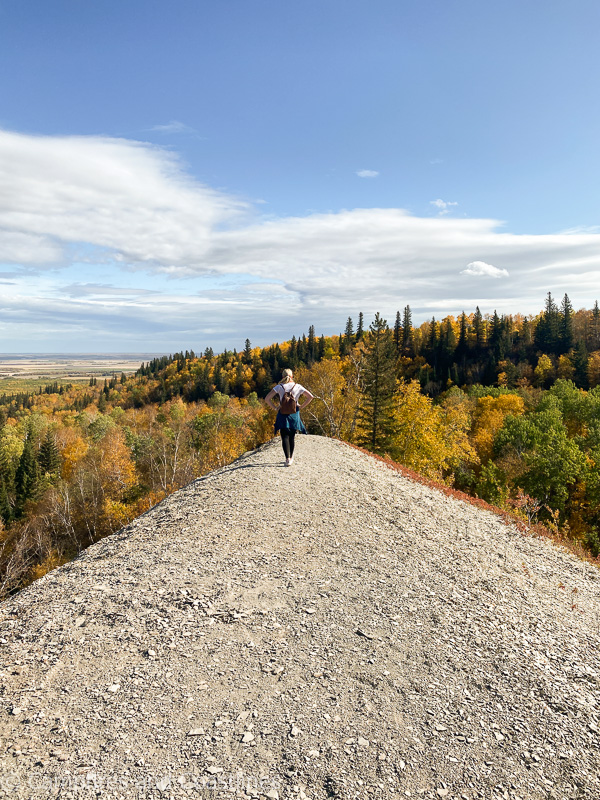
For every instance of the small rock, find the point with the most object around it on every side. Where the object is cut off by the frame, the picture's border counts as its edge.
(363, 742)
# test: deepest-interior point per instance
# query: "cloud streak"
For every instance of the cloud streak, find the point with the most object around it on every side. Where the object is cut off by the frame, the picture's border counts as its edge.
(130, 206)
(367, 173)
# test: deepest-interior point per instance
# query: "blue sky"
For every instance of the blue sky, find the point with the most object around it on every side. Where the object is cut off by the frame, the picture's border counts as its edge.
(184, 174)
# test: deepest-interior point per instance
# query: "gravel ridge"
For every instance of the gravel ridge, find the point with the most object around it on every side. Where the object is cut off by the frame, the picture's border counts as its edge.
(331, 629)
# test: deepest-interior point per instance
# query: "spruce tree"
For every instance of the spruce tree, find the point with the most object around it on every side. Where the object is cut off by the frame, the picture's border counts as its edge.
(27, 475)
(360, 331)
(347, 340)
(594, 331)
(379, 388)
(6, 512)
(321, 347)
(312, 344)
(547, 330)
(407, 332)
(247, 352)
(398, 332)
(349, 331)
(479, 330)
(566, 325)
(49, 457)
(463, 343)
(495, 335)
(580, 362)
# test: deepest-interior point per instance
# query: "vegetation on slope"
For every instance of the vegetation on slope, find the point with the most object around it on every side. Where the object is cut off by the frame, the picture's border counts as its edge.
(77, 463)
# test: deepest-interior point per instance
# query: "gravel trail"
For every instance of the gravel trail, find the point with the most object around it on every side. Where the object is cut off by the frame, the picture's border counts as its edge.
(329, 630)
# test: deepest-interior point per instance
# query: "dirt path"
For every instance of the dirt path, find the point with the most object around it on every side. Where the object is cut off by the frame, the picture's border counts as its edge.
(327, 630)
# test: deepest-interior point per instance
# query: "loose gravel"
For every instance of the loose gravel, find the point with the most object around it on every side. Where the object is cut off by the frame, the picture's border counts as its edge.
(328, 630)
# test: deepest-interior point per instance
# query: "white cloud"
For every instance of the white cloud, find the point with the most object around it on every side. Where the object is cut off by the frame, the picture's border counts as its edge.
(443, 206)
(130, 198)
(69, 199)
(367, 173)
(481, 269)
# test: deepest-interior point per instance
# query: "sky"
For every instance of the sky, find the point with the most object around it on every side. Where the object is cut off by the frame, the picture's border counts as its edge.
(185, 174)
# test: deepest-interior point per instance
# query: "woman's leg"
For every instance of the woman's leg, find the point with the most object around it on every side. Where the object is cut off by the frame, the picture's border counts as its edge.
(285, 441)
(292, 439)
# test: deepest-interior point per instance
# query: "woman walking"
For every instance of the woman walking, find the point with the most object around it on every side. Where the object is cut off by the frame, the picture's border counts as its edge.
(288, 413)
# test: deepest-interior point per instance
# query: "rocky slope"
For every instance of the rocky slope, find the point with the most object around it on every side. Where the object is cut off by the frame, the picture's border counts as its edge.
(328, 630)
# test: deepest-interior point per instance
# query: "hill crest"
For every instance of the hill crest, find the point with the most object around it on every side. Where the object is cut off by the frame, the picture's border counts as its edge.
(332, 630)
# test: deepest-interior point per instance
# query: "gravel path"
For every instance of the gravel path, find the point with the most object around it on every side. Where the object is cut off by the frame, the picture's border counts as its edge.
(328, 630)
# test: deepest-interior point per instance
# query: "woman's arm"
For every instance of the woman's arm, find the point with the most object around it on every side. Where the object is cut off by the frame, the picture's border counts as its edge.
(269, 398)
(306, 398)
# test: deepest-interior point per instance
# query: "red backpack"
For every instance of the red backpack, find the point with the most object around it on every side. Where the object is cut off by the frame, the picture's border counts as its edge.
(287, 404)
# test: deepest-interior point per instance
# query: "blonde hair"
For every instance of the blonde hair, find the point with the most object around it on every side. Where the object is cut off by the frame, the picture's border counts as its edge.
(287, 375)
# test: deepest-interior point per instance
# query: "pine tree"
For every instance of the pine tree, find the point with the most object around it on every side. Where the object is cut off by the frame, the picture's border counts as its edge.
(379, 388)
(247, 352)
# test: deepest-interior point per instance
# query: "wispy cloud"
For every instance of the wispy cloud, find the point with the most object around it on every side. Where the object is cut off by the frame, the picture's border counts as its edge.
(436, 161)
(367, 173)
(481, 269)
(173, 127)
(103, 290)
(442, 206)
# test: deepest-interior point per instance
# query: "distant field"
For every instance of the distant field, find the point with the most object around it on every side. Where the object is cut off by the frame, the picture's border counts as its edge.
(22, 373)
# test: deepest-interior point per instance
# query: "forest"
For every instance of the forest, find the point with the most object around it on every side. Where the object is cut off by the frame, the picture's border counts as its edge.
(503, 407)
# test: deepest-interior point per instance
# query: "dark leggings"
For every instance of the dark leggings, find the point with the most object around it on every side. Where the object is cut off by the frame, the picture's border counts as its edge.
(287, 440)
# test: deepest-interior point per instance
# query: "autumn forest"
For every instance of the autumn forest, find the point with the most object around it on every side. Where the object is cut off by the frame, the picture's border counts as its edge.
(503, 407)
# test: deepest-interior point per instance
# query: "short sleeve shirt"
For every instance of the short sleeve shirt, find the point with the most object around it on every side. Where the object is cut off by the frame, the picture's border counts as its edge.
(297, 390)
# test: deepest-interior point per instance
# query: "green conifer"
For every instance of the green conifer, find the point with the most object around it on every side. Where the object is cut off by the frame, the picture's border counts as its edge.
(377, 404)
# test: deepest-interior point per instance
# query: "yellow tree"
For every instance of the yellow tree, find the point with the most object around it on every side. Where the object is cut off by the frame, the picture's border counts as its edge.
(488, 418)
(432, 440)
(594, 369)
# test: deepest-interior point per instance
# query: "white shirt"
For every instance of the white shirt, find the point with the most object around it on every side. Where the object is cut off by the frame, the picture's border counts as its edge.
(296, 389)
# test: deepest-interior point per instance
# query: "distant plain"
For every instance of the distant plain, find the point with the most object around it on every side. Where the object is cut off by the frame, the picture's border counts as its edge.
(23, 372)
